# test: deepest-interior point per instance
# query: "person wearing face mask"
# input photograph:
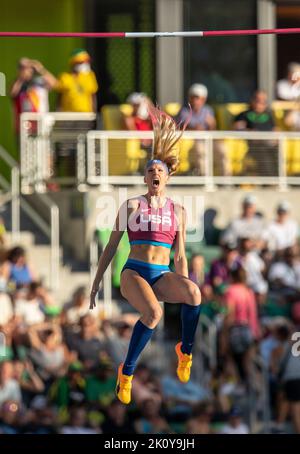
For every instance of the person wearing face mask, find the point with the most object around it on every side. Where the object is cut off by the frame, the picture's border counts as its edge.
(139, 120)
(77, 88)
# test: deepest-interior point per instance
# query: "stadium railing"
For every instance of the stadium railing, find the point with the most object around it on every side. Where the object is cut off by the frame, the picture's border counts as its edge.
(259, 411)
(11, 190)
(206, 347)
(259, 158)
(53, 147)
(65, 148)
(50, 229)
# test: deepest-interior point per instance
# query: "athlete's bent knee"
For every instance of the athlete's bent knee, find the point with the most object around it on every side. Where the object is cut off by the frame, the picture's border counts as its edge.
(152, 317)
(193, 295)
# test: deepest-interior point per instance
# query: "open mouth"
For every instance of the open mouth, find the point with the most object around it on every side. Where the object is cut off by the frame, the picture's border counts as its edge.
(155, 182)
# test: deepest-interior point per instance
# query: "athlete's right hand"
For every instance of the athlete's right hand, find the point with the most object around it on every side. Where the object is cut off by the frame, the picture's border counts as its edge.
(93, 298)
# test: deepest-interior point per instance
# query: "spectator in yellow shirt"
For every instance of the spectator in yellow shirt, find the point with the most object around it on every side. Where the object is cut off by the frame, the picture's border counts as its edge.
(77, 88)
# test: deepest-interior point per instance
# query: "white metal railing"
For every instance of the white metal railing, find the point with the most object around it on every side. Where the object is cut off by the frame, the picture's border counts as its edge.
(259, 415)
(106, 283)
(205, 355)
(51, 229)
(97, 155)
(208, 339)
(55, 253)
(38, 133)
(100, 158)
(13, 190)
(52, 232)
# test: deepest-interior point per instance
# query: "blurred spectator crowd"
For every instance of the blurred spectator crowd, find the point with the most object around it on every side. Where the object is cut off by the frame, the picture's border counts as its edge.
(58, 370)
(77, 91)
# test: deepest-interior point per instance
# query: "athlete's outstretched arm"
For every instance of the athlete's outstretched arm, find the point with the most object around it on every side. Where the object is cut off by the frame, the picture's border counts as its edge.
(180, 260)
(109, 251)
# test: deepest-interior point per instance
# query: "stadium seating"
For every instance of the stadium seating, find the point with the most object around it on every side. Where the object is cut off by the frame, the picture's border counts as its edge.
(291, 147)
(280, 109)
(225, 114)
(112, 117)
(236, 150)
(292, 153)
(172, 108)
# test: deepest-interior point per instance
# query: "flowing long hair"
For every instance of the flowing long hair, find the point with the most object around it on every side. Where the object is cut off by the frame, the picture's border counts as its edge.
(167, 134)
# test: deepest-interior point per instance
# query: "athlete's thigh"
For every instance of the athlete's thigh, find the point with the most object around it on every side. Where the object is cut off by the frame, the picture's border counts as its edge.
(137, 291)
(172, 288)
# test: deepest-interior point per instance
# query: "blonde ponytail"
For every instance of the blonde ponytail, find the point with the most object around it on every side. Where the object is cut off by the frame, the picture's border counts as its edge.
(167, 134)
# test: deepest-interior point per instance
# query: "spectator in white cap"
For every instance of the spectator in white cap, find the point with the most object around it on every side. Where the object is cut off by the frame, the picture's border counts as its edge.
(249, 224)
(201, 118)
(288, 89)
(284, 274)
(254, 266)
(199, 90)
(282, 231)
(139, 119)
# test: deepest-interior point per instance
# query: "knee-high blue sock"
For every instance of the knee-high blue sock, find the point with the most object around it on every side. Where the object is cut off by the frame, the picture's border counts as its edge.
(189, 321)
(141, 334)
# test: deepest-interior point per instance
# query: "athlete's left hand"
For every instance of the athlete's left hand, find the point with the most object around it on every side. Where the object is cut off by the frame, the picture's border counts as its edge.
(93, 298)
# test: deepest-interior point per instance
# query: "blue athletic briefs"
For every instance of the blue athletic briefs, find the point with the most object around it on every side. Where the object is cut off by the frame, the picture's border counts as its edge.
(151, 272)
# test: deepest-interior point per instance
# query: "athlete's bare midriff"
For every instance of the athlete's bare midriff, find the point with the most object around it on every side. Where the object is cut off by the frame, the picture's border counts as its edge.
(150, 254)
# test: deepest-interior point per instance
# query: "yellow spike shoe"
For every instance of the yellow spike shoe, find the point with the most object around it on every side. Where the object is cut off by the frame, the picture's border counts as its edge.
(184, 364)
(123, 387)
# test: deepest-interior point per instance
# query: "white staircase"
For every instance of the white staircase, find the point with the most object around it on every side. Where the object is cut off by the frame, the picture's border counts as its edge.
(41, 216)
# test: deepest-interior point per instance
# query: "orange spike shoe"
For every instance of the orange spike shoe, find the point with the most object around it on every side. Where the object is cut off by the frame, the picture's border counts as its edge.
(123, 387)
(184, 364)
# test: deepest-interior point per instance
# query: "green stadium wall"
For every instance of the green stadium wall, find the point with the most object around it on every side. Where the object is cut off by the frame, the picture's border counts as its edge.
(34, 15)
